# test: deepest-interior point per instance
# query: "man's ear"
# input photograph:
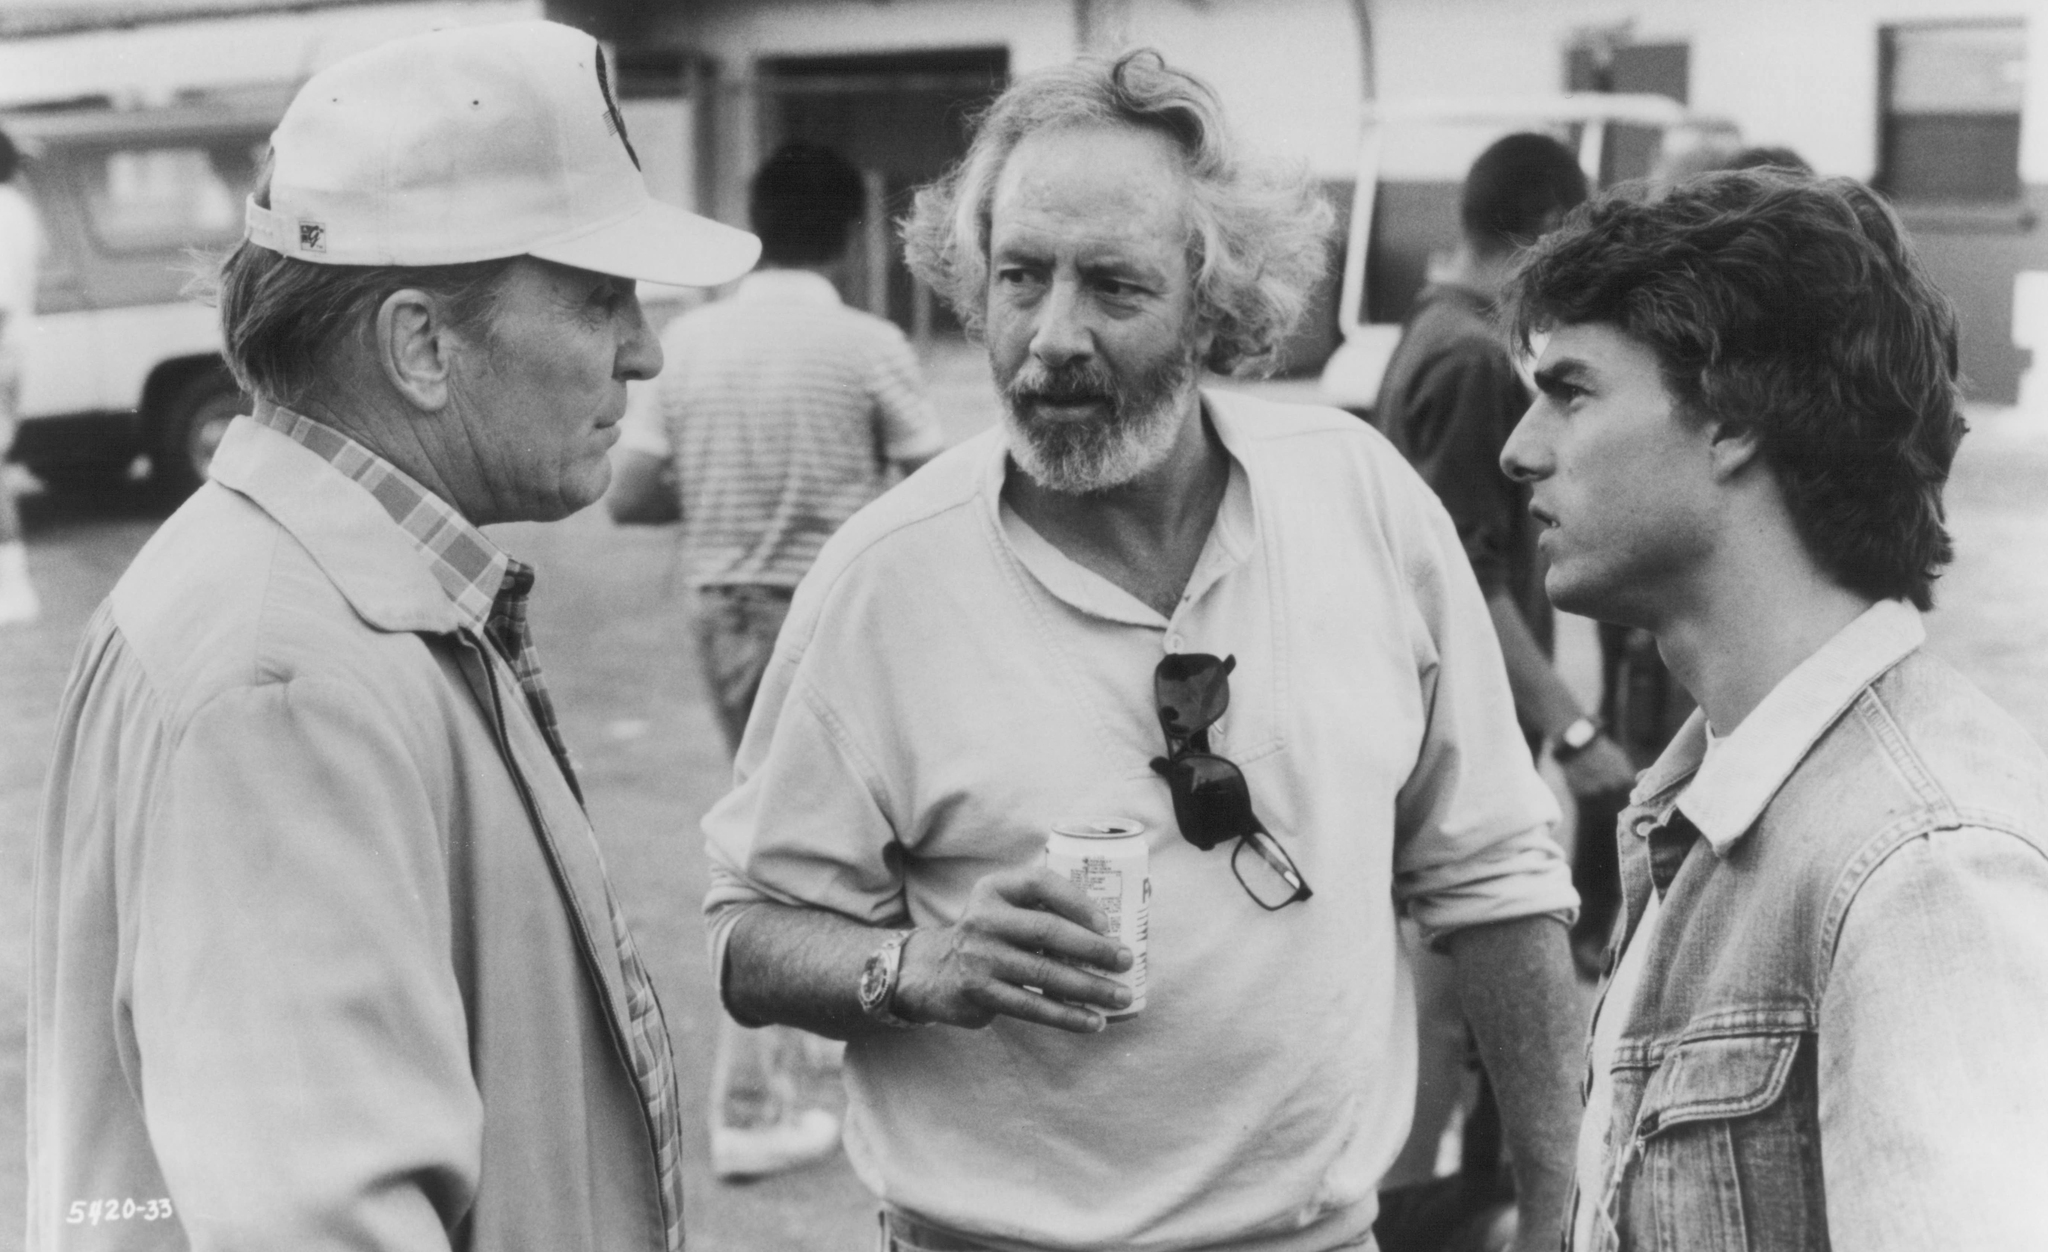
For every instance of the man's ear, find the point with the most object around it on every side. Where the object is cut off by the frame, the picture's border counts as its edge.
(1733, 446)
(412, 344)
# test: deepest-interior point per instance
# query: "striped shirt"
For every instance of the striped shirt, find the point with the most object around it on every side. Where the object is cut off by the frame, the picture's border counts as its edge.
(780, 410)
(490, 590)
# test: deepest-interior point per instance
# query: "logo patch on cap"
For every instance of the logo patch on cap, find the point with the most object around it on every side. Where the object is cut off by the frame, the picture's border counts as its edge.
(312, 237)
(614, 123)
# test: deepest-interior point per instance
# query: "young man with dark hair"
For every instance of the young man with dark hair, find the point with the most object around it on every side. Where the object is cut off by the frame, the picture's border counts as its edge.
(780, 414)
(1824, 1023)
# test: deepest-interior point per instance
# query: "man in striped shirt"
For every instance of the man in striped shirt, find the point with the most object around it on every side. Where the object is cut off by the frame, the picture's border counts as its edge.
(779, 414)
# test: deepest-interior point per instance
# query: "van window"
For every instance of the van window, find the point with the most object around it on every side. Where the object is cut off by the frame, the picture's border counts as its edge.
(166, 199)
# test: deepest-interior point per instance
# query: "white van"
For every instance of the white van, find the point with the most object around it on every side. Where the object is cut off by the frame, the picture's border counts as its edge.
(119, 361)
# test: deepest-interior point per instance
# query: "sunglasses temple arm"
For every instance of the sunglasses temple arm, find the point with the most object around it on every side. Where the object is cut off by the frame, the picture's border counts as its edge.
(1276, 857)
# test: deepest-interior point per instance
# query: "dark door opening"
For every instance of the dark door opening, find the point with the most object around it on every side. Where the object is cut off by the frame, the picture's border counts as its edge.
(902, 118)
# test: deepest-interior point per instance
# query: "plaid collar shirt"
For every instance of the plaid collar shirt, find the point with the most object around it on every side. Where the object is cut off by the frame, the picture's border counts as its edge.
(490, 590)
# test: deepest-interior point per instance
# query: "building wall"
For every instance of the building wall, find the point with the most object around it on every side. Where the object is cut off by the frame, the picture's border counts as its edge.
(1801, 73)
(151, 64)
(1289, 73)
(1797, 72)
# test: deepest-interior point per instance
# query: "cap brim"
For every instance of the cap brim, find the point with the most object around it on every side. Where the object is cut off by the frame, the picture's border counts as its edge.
(660, 243)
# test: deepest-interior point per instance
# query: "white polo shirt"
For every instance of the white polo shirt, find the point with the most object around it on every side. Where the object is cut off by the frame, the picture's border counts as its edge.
(949, 685)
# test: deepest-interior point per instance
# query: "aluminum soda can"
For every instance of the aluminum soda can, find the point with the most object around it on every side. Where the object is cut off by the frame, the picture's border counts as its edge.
(1106, 857)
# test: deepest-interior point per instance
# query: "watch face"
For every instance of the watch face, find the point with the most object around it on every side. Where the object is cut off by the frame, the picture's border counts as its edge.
(874, 980)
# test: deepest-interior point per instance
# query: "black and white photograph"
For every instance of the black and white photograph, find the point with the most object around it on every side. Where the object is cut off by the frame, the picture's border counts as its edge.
(1023, 625)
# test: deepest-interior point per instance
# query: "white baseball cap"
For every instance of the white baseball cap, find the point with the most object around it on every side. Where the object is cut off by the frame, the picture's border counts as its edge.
(472, 144)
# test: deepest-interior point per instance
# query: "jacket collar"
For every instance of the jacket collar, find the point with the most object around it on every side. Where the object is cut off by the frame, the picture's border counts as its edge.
(369, 559)
(1728, 791)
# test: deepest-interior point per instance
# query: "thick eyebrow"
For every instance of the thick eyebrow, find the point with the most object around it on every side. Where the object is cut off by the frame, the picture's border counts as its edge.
(1559, 375)
(1124, 269)
(1013, 250)
(1094, 262)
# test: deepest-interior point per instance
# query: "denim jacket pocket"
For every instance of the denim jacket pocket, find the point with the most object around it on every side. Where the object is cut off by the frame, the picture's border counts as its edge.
(1727, 1146)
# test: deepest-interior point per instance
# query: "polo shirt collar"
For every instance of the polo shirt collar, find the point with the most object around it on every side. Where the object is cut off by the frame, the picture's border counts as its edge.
(1728, 791)
(1232, 537)
(787, 287)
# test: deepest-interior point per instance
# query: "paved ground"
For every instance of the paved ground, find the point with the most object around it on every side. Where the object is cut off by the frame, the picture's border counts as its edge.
(606, 612)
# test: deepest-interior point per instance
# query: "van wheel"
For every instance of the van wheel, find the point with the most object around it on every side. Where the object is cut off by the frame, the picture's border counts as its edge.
(192, 425)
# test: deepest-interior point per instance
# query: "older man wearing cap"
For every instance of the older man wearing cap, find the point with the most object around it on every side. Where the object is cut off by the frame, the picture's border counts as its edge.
(325, 955)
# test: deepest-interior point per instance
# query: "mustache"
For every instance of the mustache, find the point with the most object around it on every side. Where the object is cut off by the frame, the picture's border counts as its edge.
(1076, 382)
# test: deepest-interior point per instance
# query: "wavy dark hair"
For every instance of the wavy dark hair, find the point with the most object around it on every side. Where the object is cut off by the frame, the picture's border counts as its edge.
(1257, 235)
(1796, 305)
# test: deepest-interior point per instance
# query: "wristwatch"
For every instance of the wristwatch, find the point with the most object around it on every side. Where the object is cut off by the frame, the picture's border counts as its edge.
(878, 981)
(1574, 739)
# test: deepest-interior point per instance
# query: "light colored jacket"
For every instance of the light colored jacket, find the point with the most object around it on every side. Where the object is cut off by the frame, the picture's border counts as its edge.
(322, 954)
(1837, 1038)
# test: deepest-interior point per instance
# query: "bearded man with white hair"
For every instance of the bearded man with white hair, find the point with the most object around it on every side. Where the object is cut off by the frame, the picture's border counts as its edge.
(1245, 626)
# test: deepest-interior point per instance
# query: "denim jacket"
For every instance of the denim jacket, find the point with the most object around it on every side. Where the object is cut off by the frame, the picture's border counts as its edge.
(1837, 1038)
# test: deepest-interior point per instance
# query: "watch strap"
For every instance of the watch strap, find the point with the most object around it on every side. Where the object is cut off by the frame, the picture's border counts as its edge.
(879, 978)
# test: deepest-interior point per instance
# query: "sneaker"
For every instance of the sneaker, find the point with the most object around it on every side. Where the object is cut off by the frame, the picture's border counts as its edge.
(756, 1152)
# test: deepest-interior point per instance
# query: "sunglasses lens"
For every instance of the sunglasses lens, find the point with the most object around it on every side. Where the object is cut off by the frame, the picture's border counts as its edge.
(1192, 690)
(1210, 800)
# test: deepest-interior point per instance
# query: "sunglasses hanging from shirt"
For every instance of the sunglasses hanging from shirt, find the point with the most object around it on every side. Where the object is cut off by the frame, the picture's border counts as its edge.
(1211, 800)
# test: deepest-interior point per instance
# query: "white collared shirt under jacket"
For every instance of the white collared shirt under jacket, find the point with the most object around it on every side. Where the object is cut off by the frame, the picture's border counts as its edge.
(949, 685)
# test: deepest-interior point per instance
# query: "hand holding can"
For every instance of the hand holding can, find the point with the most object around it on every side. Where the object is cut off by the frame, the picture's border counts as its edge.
(1107, 858)
(1030, 945)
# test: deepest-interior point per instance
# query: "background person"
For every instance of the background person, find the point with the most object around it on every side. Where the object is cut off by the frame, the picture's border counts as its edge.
(1449, 398)
(324, 950)
(1034, 628)
(1825, 1023)
(20, 248)
(780, 412)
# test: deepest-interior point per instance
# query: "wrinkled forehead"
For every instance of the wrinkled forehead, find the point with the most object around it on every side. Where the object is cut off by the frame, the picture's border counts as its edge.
(1108, 182)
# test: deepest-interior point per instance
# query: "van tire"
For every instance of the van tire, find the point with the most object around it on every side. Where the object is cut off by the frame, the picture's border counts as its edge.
(182, 443)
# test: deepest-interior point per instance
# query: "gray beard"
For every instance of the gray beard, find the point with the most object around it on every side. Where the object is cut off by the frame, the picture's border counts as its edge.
(1085, 457)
